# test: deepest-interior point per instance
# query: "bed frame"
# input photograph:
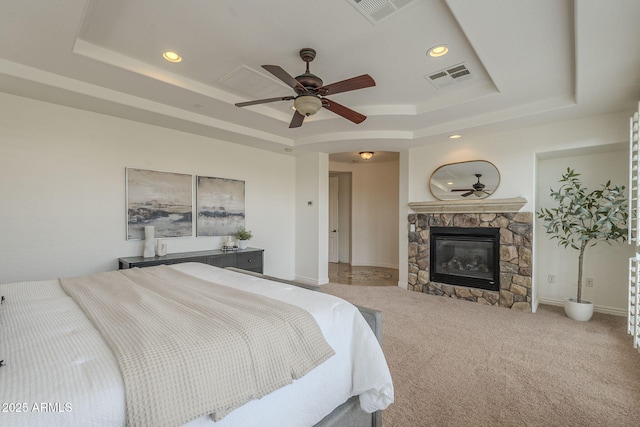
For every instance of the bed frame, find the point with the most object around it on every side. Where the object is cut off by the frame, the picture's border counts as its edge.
(349, 413)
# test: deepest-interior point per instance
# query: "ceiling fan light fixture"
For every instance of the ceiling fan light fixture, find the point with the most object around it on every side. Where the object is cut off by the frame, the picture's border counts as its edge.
(366, 155)
(307, 105)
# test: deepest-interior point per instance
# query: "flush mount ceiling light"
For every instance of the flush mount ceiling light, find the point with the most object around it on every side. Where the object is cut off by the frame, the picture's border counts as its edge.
(455, 136)
(438, 51)
(366, 155)
(307, 105)
(171, 56)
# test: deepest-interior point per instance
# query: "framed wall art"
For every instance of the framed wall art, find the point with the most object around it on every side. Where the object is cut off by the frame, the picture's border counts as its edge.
(219, 206)
(161, 199)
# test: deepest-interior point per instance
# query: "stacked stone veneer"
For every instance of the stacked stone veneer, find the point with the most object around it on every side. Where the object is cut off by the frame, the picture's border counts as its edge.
(516, 265)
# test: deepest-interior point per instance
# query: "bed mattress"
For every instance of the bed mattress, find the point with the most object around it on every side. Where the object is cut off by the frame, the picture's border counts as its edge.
(59, 371)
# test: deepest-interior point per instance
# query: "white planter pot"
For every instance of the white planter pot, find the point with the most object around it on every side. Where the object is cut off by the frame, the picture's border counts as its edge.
(575, 310)
(243, 244)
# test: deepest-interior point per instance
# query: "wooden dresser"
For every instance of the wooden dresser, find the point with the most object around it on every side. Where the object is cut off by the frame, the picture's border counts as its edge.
(247, 259)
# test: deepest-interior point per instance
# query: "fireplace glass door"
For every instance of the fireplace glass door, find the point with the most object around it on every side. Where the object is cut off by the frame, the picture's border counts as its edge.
(465, 256)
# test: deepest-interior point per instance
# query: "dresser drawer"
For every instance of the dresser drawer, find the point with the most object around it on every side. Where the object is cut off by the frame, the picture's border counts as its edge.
(251, 261)
(222, 261)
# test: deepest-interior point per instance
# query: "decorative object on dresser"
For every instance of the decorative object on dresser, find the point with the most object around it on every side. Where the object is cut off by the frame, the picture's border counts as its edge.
(230, 244)
(455, 181)
(582, 219)
(244, 236)
(161, 247)
(249, 259)
(149, 242)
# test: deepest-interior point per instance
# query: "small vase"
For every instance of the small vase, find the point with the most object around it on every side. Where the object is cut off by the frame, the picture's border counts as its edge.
(149, 242)
(161, 248)
(243, 244)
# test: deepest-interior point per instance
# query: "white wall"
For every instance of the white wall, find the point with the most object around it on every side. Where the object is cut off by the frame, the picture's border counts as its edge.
(605, 264)
(62, 189)
(312, 218)
(374, 212)
(403, 226)
(514, 154)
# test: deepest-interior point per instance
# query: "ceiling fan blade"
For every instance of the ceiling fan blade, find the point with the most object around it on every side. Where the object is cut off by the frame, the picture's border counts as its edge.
(285, 77)
(462, 189)
(343, 111)
(297, 120)
(353, 83)
(264, 101)
(467, 194)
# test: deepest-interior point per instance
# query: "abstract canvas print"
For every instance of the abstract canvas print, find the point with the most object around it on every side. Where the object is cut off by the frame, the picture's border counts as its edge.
(219, 206)
(161, 199)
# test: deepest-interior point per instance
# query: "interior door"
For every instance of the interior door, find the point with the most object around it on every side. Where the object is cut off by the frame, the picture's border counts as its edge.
(333, 219)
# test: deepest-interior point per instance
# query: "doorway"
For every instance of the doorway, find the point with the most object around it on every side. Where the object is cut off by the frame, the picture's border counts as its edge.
(339, 217)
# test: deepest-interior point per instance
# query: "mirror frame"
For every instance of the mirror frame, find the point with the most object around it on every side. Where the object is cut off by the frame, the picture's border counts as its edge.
(489, 178)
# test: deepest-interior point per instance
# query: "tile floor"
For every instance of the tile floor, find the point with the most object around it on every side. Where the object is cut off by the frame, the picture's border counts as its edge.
(348, 274)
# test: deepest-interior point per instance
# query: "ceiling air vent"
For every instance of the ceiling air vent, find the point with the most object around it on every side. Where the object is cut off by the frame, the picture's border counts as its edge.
(247, 81)
(447, 77)
(377, 10)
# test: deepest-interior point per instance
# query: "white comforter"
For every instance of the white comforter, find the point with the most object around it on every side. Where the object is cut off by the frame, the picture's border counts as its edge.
(59, 371)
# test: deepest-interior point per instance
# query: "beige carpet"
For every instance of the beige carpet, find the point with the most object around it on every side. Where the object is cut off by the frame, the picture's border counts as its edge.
(457, 363)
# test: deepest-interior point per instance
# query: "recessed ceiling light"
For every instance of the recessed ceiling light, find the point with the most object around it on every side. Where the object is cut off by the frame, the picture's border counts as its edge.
(438, 51)
(171, 56)
(455, 136)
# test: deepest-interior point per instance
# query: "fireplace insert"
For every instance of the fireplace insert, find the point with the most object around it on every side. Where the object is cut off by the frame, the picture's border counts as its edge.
(465, 256)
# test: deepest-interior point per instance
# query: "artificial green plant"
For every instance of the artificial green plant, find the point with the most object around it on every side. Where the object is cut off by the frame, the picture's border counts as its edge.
(582, 218)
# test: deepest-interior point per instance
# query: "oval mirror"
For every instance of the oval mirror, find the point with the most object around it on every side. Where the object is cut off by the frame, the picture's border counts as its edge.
(475, 179)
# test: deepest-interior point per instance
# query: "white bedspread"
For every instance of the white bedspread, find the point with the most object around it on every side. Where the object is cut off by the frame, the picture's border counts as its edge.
(59, 371)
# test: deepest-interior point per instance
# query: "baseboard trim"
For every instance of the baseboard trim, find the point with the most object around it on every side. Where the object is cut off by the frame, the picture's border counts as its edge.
(310, 281)
(597, 308)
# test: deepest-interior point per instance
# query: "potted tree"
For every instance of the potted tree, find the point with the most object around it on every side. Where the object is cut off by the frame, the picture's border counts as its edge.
(581, 219)
(243, 236)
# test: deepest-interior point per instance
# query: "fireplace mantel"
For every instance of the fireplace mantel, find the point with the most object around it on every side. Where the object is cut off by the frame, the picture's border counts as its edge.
(470, 206)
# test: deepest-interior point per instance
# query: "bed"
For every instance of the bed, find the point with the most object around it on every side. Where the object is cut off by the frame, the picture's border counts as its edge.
(58, 368)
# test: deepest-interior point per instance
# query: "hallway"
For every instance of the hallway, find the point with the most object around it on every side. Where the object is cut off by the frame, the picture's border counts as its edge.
(347, 274)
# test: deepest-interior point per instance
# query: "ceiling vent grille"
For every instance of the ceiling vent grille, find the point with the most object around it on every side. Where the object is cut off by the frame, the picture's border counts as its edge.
(377, 10)
(449, 76)
(247, 81)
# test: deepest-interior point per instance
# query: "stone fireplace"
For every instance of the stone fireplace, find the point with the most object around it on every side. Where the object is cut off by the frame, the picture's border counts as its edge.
(460, 224)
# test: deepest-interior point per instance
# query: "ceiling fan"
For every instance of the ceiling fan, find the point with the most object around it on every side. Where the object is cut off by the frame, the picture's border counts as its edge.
(477, 188)
(310, 92)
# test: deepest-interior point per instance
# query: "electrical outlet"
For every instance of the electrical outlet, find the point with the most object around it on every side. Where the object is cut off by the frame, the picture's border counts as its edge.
(551, 278)
(589, 282)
